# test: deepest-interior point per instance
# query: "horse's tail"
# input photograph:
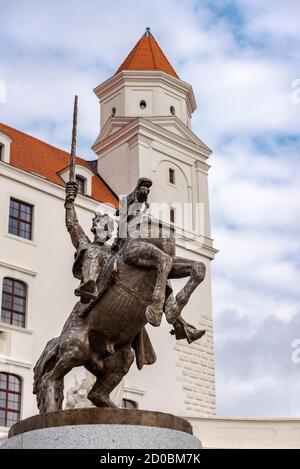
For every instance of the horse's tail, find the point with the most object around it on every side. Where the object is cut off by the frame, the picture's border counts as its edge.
(45, 363)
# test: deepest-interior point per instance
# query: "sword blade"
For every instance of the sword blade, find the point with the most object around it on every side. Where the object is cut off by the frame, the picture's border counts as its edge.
(73, 145)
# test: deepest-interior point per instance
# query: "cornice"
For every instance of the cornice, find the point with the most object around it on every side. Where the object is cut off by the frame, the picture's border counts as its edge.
(18, 363)
(42, 184)
(130, 76)
(141, 125)
(23, 270)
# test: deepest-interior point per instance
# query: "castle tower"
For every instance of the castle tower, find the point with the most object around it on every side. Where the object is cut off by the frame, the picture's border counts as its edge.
(146, 131)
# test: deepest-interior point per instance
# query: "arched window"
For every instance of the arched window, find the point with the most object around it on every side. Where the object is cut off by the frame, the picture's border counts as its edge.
(129, 404)
(81, 184)
(14, 294)
(10, 399)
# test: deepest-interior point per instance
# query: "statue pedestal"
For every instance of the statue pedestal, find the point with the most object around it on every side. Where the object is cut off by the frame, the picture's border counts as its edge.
(95, 428)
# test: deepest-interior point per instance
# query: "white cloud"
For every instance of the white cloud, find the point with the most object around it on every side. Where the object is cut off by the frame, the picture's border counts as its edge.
(260, 377)
(243, 96)
(276, 18)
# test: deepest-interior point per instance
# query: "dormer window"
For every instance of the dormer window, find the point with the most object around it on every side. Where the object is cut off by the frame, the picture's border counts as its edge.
(172, 110)
(81, 184)
(83, 176)
(5, 142)
(143, 104)
(171, 176)
(113, 112)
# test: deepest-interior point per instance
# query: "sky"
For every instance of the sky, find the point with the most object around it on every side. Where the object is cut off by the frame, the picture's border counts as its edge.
(242, 58)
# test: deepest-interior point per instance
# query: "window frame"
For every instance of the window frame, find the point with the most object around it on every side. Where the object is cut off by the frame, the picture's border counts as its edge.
(82, 180)
(19, 219)
(14, 296)
(9, 392)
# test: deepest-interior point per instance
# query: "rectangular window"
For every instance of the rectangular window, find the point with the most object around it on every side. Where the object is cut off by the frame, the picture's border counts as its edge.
(81, 184)
(171, 176)
(14, 296)
(172, 215)
(20, 219)
(10, 399)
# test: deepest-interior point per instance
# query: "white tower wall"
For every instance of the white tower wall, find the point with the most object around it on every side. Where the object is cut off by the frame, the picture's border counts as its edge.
(147, 143)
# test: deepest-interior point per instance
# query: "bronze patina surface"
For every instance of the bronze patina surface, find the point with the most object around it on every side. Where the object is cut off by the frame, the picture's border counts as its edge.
(94, 416)
(123, 287)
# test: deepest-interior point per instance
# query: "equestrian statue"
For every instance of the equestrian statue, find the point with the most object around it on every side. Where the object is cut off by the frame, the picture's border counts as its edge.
(124, 285)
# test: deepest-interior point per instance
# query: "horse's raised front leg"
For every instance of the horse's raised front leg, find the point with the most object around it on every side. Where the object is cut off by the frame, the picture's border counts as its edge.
(183, 268)
(147, 255)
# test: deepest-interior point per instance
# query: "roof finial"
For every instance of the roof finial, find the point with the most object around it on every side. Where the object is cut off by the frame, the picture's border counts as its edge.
(147, 33)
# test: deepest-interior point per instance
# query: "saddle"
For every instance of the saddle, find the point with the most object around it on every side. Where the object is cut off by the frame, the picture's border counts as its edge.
(144, 352)
(103, 283)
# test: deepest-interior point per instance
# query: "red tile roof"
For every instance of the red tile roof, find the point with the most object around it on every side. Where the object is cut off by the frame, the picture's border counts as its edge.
(147, 55)
(32, 155)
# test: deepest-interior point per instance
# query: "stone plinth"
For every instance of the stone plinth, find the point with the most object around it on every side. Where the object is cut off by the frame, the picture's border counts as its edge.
(95, 428)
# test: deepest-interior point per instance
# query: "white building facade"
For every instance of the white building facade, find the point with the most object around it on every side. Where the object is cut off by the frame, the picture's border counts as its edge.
(145, 131)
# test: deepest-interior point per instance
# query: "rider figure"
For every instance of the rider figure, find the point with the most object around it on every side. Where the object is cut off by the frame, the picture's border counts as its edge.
(132, 208)
(91, 256)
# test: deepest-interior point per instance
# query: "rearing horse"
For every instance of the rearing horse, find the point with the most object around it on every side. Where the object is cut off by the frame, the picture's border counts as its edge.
(106, 334)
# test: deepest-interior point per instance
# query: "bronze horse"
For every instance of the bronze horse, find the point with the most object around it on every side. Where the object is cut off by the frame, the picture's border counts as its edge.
(106, 334)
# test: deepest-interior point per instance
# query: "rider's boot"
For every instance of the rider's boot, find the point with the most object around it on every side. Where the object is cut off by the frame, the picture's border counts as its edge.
(184, 330)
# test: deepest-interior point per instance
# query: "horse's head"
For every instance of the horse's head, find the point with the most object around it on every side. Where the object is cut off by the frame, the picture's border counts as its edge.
(142, 190)
(102, 227)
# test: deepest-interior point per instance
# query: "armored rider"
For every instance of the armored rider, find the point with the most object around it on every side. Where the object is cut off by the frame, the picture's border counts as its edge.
(91, 256)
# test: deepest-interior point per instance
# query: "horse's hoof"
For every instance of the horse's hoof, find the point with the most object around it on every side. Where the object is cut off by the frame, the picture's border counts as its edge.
(101, 400)
(154, 316)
